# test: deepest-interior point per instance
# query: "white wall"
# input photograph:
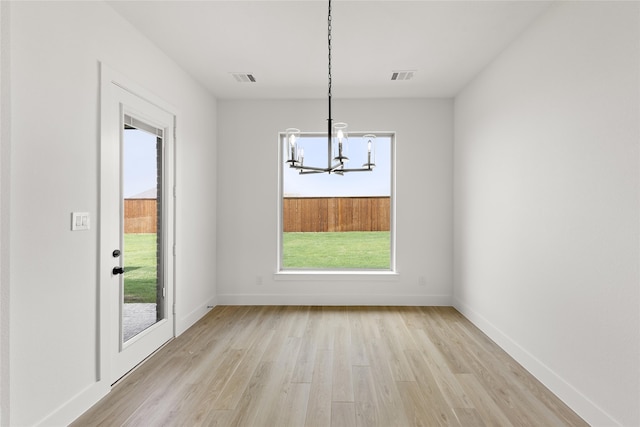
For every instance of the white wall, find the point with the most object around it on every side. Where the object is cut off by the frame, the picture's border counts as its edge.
(55, 52)
(5, 167)
(248, 201)
(547, 205)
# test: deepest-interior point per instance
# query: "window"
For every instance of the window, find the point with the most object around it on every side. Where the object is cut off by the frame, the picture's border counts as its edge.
(337, 222)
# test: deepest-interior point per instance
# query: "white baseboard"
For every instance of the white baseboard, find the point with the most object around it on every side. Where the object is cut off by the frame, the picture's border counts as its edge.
(77, 405)
(185, 322)
(334, 299)
(572, 397)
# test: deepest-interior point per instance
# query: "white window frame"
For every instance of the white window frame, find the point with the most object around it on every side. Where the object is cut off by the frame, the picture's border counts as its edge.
(337, 274)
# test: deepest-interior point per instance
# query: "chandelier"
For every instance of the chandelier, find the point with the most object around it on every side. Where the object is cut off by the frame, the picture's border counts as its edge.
(337, 140)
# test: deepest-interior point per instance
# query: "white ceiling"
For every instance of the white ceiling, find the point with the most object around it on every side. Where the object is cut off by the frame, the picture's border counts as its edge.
(284, 43)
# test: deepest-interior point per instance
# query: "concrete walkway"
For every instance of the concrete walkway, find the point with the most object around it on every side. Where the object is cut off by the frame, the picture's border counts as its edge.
(136, 318)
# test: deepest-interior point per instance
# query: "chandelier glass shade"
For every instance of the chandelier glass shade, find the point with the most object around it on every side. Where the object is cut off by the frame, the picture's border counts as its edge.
(337, 140)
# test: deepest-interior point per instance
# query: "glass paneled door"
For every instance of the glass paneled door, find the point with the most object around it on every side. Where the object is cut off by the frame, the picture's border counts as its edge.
(144, 320)
(137, 202)
(143, 291)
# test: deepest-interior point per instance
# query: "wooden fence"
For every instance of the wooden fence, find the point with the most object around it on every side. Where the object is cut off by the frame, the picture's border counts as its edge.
(309, 214)
(324, 214)
(140, 215)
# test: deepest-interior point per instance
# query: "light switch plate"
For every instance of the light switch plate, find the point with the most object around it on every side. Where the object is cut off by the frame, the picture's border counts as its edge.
(80, 221)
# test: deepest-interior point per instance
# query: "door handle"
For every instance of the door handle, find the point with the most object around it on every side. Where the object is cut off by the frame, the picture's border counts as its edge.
(117, 270)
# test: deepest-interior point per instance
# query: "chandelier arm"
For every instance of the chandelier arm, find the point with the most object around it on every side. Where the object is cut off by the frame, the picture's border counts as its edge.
(310, 168)
(309, 172)
(357, 170)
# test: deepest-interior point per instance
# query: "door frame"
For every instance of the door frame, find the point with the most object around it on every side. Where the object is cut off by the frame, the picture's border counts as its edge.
(114, 86)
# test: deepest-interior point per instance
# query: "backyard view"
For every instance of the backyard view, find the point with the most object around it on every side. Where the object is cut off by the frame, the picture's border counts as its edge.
(142, 169)
(352, 249)
(338, 222)
(302, 250)
(141, 268)
(329, 222)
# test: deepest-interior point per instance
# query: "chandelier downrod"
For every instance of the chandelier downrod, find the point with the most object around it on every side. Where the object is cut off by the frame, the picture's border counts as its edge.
(329, 119)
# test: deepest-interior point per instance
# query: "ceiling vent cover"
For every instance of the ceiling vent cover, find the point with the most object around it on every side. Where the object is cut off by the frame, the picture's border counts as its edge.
(244, 77)
(402, 75)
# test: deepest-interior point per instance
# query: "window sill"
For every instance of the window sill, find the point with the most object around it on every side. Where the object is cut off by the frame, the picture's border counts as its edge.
(334, 275)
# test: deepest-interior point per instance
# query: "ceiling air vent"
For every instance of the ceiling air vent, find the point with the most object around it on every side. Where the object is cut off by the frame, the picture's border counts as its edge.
(402, 75)
(244, 77)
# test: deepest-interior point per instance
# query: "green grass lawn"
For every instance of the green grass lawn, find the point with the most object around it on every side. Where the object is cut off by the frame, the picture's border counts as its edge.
(353, 249)
(140, 268)
(357, 249)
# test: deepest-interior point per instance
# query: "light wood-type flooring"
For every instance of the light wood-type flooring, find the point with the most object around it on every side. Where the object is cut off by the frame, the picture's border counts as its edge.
(330, 366)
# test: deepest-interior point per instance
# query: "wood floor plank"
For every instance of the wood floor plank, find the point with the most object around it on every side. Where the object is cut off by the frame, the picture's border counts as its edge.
(290, 406)
(358, 353)
(233, 390)
(387, 398)
(469, 417)
(397, 340)
(438, 407)
(185, 411)
(367, 413)
(417, 408)
(487, 408)
(216, 418)
(248, 407)
(278, 383)
(246, 329)
(343, 414)
(319, 405)
(342, 376)
(330, 366)
(446, 380)
(303, 371)
(299, 316)
(325, 319)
